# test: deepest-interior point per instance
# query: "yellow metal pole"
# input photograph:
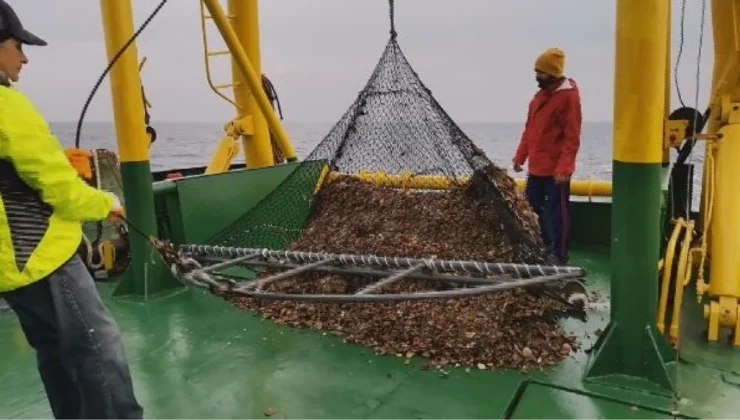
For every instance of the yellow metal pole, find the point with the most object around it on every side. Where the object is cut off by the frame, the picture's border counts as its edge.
(631, 348)
(667, 87)
(724, 240)
(244, 16)
(144, 275)
(125, 84)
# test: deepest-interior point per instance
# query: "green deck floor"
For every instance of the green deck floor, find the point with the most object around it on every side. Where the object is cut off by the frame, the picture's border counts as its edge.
(194, 356)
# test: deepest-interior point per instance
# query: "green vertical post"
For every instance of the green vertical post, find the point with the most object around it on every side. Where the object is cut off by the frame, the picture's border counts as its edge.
(146, 274)
(631, 352)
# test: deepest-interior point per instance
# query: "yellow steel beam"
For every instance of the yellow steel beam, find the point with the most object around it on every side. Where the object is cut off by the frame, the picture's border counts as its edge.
(256, 142)
(261, 154)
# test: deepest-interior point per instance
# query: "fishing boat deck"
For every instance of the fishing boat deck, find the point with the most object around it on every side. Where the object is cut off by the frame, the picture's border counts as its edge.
(193, 355)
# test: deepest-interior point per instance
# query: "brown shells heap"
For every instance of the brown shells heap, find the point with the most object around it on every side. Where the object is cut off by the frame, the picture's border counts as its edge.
(512, 329)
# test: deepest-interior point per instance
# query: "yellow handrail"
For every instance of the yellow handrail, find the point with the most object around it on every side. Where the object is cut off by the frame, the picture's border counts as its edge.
(206, 56)
(680, 223)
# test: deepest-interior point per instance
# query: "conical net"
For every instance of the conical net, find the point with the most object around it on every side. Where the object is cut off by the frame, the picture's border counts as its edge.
(397, 177)
(395, 161)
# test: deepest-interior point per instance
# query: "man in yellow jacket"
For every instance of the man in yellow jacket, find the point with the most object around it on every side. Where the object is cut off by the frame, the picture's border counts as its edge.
(43, 203)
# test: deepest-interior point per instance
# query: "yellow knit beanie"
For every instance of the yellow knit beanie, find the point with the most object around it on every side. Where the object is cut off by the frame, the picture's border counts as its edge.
(552, 62)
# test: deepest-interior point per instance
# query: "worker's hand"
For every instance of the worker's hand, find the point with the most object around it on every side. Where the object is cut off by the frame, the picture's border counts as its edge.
(116, 210)
(562, 179)
(517, 167)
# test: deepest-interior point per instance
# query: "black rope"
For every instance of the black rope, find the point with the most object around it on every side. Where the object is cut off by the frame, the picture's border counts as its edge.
(272, 95)
(110, 65)
(680, 52)
(393, 19)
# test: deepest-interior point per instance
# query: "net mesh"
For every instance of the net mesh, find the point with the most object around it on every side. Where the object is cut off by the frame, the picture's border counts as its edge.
(395, 158)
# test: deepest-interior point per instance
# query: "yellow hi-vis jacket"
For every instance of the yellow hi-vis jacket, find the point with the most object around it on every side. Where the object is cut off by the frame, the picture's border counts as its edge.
(43, 201)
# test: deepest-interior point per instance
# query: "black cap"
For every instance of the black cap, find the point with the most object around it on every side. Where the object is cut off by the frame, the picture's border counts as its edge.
(11, 25)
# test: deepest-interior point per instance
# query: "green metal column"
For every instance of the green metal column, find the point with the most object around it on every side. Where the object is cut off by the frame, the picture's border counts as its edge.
(146, 274)
(631, 352)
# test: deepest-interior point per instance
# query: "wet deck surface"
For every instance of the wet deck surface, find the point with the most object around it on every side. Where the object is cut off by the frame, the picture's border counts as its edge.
(194, 356)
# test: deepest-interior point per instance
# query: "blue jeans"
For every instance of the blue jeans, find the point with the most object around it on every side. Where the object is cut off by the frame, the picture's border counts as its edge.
(551, 202)
(78, 345)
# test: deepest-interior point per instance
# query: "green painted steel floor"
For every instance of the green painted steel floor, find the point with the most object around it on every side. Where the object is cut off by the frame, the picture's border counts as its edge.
(194, 356)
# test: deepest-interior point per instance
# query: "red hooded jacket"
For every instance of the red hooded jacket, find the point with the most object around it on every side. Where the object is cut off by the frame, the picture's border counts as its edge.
(552, 134)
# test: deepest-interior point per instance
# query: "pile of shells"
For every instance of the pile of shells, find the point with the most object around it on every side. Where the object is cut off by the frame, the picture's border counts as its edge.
(512, 329)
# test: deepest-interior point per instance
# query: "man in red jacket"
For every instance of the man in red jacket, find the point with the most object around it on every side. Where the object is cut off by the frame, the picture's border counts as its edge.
(550, 141)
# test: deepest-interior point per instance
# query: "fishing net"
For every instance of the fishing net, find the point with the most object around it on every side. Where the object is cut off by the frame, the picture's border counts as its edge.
(394, 148)
(396, 177)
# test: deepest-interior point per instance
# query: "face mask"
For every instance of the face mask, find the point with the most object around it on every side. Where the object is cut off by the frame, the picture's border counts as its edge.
(543, 83)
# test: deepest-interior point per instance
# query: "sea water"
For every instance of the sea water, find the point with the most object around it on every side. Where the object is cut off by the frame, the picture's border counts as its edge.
(192, 143)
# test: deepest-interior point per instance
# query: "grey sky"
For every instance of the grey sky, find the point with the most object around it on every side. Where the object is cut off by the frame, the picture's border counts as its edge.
(475, 55)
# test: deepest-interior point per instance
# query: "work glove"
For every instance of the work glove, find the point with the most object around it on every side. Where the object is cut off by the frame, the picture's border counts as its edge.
(116, 209)
(80, 160)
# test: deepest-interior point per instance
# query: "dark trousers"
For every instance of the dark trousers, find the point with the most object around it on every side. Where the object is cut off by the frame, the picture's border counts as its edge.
(552, 204)
(78, 345)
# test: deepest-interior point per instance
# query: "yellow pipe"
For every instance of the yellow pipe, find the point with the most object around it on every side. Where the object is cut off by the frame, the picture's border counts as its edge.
(667, 271)
(254, 81)
(125, 83)
(586, 188)
(245, 21)
(582, 187)
(227, 149)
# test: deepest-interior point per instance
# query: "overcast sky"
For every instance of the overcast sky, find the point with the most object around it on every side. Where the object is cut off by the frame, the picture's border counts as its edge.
(475, 55)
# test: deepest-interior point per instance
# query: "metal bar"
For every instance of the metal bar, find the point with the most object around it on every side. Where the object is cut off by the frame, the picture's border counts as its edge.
(227, 264)
(381, 273)
(223, 86)
(445, 294)
(520, 270)
(388, 280)
(298, 270)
